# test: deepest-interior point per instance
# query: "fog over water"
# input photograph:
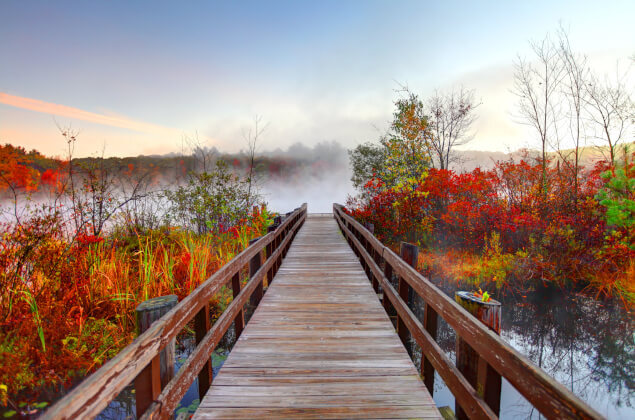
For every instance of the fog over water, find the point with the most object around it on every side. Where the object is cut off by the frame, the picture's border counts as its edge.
(319, 192)
(321, 178)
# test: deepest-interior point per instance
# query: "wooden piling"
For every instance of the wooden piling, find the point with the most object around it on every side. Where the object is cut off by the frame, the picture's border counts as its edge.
(157, 374)
(476, 370)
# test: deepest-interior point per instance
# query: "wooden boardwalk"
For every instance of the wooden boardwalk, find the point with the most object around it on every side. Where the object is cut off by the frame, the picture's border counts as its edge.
(319, 345)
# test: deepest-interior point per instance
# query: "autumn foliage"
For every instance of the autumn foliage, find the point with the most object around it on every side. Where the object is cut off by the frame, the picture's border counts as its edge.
(501, 228)
(68, 292)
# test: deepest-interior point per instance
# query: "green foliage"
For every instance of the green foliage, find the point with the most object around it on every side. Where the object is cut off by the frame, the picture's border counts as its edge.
(367, 161)
(16, 372)
(190, 408)
(407, 146)
(496, 264)
(30, 300)
(618, 196)
(210, 201)
(97, 339)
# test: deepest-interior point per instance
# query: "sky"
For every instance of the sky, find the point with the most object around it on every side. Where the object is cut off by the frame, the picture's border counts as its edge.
(138, 77)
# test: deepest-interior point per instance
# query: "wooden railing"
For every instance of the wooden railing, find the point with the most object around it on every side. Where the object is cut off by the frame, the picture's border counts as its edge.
(139, 362)
(496, 357)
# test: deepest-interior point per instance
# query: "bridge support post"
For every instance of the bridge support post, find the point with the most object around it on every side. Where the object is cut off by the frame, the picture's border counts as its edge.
(476, 370)
(254, 265)
(270, 249)
(427, 370)
(409, 253)
(157, 374)
(202, 324)
(239, 322)
(373, 254)
(277, 221)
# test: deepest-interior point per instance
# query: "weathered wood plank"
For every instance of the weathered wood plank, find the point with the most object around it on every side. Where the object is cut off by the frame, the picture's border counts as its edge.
(319, 345)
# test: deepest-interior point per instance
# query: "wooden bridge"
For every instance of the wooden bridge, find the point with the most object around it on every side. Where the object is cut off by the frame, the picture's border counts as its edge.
(319, 344)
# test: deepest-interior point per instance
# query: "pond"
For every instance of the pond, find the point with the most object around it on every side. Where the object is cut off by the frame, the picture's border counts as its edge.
(585, 344)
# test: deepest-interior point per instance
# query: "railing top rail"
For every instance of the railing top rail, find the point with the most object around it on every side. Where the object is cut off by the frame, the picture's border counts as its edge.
(545, 393)
(93, 394)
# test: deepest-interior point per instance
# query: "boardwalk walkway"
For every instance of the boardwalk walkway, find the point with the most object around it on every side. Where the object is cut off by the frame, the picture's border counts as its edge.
(319, 345)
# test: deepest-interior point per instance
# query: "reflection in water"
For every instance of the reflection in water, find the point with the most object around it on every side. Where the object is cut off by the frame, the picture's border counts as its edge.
(586, 345)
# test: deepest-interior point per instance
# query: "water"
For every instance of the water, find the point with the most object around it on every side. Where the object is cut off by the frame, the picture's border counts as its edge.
(123, 407)
(585, 344)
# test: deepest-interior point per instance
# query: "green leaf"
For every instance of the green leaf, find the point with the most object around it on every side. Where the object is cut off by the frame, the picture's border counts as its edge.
(9, 413)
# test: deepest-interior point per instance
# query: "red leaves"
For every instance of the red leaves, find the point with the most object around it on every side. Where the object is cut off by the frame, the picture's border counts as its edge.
(87, 239)
(50, 177)
(558, 231)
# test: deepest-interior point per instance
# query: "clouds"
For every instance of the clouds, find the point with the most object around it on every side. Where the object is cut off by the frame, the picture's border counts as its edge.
(79, 114)
(315, 71)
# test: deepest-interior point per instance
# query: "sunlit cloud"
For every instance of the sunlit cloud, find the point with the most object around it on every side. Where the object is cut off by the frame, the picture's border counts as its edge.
(75, 113)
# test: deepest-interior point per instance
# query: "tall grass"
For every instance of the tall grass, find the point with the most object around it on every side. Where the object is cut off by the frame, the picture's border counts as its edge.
(68, 318)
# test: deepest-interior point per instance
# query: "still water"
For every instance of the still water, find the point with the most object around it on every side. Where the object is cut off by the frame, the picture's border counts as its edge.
(585, 344)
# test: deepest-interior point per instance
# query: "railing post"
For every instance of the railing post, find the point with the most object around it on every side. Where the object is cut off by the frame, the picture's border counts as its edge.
(388, 274)
(409, 253)
(157, 374)
(254, 265)
(476, 370)
(270, 248)
(239, 322)
(430, 324)
(201, 327)
(373, 255)
(277, 221)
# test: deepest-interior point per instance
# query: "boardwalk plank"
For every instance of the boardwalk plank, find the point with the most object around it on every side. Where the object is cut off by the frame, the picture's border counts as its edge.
(319, 345)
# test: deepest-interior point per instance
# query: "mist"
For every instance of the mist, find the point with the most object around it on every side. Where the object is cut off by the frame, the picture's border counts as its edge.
(320, 178)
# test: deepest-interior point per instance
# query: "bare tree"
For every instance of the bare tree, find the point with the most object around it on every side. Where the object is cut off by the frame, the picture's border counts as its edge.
(537, 87)
(574, 89)
(610, 111)
(451, 116)
(203, 155)
(252, 136)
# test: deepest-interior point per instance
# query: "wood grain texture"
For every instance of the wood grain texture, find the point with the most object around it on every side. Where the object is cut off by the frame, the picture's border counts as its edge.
(319, 345)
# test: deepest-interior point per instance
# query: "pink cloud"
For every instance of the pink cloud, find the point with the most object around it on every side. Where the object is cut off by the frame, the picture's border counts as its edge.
(75, 113)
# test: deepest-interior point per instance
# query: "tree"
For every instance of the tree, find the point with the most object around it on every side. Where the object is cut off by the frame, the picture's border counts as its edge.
(407, 145)
(451, 116)
(367, 161)
(574, 89)
(537, 87)
(618, 194)
(407, 160)
(610, 111)
(211, 201)
(251, 137)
